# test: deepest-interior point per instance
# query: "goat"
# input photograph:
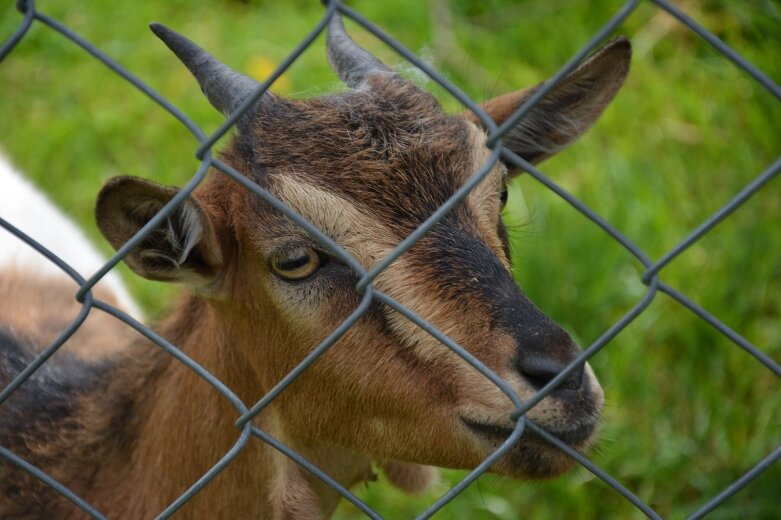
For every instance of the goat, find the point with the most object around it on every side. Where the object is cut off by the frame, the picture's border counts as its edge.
(132, 430)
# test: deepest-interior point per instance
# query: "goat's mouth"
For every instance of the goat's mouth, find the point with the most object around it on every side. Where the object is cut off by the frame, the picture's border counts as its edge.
(532, 456)
(575, 436)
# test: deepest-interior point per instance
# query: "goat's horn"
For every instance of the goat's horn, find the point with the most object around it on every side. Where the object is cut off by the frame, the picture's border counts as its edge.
(224, 88)
(351, 62)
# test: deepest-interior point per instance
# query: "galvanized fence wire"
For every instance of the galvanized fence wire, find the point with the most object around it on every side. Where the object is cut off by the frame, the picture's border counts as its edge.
(245, 430)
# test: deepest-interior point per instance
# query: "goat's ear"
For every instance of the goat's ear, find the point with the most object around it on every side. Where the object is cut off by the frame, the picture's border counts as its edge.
(568, 110)
(183, 248)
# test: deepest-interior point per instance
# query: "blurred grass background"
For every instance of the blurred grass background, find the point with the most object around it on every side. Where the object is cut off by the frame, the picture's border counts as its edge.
(688, 412)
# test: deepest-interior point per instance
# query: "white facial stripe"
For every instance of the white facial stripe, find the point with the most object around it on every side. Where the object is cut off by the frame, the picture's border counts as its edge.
(352, 226)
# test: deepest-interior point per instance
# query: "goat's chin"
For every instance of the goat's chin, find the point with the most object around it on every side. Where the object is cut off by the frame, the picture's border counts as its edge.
(535, 459)
(532, 457)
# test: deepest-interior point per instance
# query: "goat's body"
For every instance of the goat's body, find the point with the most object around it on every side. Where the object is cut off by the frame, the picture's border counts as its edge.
(68, 415)
(84, 421)
(117, 432)
(50, 421)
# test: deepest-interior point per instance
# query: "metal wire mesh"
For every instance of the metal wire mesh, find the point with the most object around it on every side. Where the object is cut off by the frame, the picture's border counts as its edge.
(245, 430)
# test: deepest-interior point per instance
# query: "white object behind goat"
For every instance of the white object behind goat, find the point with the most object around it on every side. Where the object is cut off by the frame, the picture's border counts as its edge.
(32, 212)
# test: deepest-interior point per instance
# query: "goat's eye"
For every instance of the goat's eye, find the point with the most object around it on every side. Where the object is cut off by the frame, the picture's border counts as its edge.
(296, 264)
(503, 196)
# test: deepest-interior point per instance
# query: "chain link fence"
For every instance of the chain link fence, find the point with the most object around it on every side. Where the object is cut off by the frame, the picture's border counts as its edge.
(248, 432)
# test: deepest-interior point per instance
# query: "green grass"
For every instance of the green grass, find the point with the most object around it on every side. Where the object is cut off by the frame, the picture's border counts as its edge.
(688, 412)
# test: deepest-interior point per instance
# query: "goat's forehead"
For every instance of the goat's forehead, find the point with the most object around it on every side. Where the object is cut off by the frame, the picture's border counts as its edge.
(398, 156)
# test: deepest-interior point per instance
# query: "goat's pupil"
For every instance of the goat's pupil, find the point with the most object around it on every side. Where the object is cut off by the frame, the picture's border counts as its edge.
(292, 264)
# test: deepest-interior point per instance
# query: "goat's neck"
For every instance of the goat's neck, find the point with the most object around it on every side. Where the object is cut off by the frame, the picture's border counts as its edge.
(185, 426)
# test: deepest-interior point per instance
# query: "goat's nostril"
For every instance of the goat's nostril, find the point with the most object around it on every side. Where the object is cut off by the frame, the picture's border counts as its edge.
(539, 371)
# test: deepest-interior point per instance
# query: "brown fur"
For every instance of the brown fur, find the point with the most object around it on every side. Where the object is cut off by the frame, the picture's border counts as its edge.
(41, 308)
(133, 430)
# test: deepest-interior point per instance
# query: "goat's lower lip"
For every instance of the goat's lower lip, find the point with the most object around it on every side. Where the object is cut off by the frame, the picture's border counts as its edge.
(572, 437)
